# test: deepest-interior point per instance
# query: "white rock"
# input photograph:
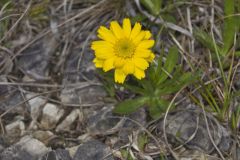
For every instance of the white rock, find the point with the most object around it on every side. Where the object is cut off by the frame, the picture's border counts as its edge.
(51, 115)
(72, 150)
(32, 146)
(43, 136)
(36, 105)
(16, 128)
(65, 125)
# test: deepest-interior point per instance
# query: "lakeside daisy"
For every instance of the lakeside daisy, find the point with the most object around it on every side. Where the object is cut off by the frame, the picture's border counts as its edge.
(125, 49)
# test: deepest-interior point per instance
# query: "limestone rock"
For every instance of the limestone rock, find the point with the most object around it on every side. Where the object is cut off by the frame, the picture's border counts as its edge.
(15, 130)
(51, 115)
(66, 123)
(27, 148)
(35, 105)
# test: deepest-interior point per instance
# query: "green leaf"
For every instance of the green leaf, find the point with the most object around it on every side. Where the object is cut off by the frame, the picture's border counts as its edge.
(152, 73)
(230, 26)
(142, 141)
(131, 105)
(204, 38)
(157, 107)
(135, 88)
(174, 85)
(170, 64)
(154, 6)
(147, 85)
(159, 65)
(126, 155)
(138, 18)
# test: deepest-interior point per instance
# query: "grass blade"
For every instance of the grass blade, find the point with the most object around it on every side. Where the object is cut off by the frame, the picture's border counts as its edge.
(230, 26)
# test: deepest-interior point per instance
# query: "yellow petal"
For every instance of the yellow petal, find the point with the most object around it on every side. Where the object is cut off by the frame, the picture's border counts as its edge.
(119, 76)
(104, 54)
(139, 37)
(138, 73)
(151, 57)
(101, 44)
(119, 62)
(142, 53)
(127, 27)
(106, 34)
(147, 35)
(128, 67)
(141, 63)
(98, 63)
(136, 30)
(116, 29)
(108, 64)
(146, 44)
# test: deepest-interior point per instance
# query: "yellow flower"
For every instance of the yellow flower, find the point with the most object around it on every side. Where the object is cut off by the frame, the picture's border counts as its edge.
(125, 49)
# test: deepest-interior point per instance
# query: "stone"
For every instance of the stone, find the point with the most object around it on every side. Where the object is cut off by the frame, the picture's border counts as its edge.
(59, 154)
(11, 100)
(32, 146)
(93, 150)
(43, 136)
(66, 123)
(104, 121)
(100, 122)
(35, 105)
(72, 150)
(188, 127)
(51, 114)
(14, 130)
(27, 148)
(34, 61)
(81, 73)
(16, 153)
(82, 95)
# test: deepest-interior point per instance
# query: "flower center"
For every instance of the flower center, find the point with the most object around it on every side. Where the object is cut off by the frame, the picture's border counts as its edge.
(124, 48)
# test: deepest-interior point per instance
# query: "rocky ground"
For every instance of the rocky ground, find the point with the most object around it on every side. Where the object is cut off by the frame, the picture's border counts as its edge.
(53, 105)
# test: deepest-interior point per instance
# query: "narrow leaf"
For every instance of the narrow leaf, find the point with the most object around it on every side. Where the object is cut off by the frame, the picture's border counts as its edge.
(171, 61)
(157, 6)
(129, 106)
(174, 85)
(154, 6)
(204, 38)
(158, 108)
(230, 26)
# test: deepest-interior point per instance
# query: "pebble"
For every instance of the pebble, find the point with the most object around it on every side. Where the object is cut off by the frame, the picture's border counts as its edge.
(27, 148)
(15, 130)
(93, 150)
(36, 105)
(51, 115)
(43, 136)
(66, 123)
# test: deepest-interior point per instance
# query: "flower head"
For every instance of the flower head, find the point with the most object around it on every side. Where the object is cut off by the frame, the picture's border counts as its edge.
(125, 49)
